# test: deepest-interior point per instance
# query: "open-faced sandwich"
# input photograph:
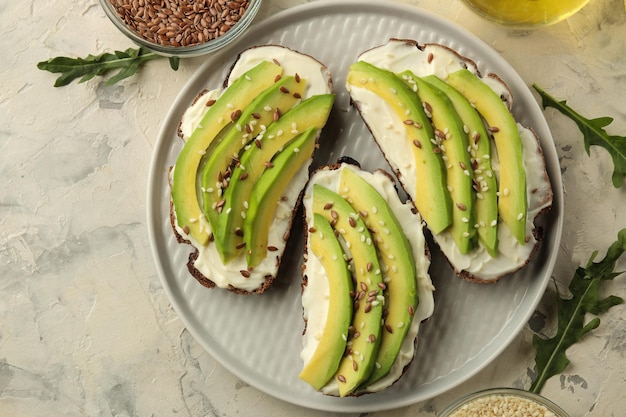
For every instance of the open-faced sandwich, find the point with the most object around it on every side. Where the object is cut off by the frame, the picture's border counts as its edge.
(476, 176)
(238, 179)
(366, 287)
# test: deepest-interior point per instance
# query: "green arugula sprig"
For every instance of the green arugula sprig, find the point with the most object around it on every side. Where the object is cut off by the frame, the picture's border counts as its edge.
(594, 134)
(550, 357)
(126, 62)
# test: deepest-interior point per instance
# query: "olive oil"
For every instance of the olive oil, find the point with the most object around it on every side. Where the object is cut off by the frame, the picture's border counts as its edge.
(526, 13)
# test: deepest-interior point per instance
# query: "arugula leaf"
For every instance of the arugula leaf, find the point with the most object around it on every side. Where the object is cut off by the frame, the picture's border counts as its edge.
(550, 357)
(126, 62)
(594, 134)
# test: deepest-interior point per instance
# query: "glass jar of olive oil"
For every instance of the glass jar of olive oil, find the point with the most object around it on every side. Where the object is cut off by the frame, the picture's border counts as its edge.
(526, 14)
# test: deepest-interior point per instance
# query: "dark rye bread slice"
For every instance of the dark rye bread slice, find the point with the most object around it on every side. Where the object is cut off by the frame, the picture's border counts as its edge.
(425, 287)
(202, 100)
(541, 197)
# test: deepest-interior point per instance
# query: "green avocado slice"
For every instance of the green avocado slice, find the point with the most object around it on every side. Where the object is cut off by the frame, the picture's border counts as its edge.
(453, 142)
(312, 112)
(254, 119)
(185, 198)
(486, 204)
(363, 345)
(512, 199)
(268, 191)
(398, 264)
(431, 197)
(332, 343)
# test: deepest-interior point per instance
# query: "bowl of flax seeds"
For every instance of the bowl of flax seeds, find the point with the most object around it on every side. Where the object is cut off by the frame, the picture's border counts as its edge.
(182, 28)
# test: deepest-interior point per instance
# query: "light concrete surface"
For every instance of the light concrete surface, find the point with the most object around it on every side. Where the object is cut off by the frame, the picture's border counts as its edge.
(86, 328)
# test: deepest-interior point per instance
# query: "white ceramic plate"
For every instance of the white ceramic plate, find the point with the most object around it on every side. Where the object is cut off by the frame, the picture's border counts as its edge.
(258, 338)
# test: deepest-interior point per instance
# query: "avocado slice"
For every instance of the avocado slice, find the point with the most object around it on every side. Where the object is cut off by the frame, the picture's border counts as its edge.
(312, 112)
(332, 343)
(254, 119)
(512, 200)
(241, 92)
(486, 203)
(364, 341)
(267, 192)
(453, 142)
(398, 264)
(431, 197)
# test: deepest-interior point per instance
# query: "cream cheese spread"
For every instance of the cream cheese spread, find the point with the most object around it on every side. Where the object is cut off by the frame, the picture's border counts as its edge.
(397, 56)
(208, 261)
(316, 292)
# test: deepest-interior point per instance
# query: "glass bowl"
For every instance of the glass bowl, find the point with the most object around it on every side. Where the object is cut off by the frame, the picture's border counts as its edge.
(517, 14)
(495, 402)
(187, 31)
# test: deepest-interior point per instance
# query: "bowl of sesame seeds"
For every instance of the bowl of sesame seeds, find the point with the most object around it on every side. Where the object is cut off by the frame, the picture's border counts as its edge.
(183, 28)
(503, 402)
